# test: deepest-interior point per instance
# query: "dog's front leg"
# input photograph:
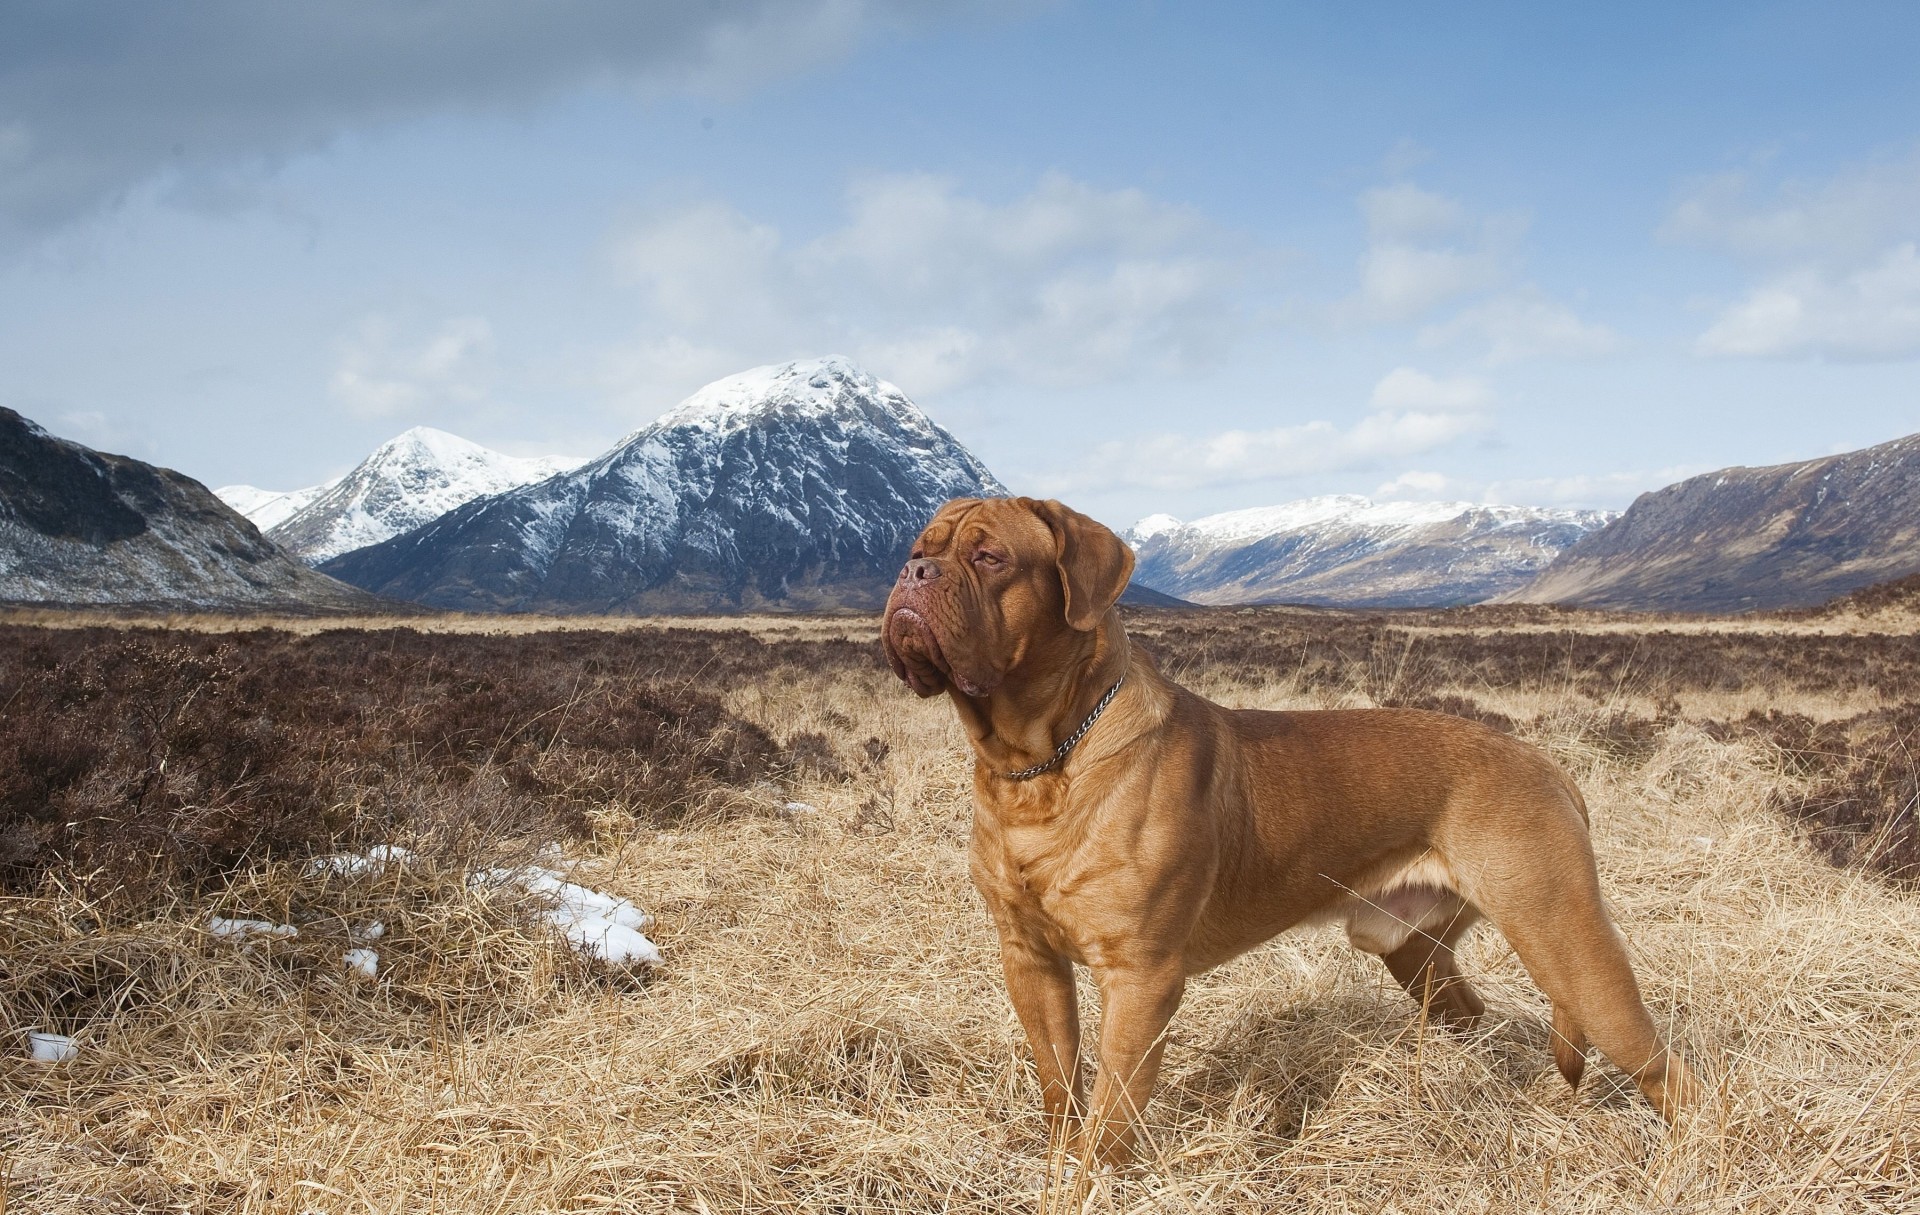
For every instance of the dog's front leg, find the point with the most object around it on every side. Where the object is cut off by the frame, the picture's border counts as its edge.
(1136, 1005)
(1040, 983)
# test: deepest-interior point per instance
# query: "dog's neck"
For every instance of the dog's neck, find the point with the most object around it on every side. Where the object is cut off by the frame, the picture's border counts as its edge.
(1034, 708)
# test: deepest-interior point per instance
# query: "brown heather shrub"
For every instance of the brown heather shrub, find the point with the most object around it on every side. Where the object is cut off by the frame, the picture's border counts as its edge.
(830, 1030)
(131, 761)
(1861, 800)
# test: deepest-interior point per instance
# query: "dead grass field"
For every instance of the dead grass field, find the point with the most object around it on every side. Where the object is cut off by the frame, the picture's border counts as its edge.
(829, 1032)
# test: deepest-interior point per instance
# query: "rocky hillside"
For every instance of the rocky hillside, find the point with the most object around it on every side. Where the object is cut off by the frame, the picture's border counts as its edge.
(1345, 551)
(798, 486)
(80, 527)
(407, 481)
(1791, 535)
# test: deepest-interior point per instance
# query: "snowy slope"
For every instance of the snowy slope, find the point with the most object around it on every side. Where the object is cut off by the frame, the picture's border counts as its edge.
(78, 526)
(268, 508)
(794, 486)
(1345, 550)
(411, 479)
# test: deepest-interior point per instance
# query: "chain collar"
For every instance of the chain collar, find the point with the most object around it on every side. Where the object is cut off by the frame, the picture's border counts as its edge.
(1073, 739)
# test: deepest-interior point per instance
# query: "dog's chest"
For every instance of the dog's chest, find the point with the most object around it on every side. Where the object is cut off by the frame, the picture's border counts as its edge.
(1047, 886)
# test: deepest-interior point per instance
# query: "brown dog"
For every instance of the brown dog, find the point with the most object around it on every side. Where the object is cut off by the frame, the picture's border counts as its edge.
(1174, 834)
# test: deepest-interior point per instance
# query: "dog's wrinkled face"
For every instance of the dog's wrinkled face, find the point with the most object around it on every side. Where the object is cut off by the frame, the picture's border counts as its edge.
(990, 581)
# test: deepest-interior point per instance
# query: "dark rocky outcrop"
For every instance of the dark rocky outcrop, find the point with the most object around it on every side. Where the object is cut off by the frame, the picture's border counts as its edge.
(80, 527)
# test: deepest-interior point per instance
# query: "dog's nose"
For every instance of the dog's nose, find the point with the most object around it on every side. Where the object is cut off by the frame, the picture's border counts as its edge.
(920, 569)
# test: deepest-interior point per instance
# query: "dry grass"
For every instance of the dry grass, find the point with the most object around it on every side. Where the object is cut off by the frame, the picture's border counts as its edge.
(830, 1032)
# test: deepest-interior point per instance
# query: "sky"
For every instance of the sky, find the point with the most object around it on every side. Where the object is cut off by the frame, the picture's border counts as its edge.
(1143, 257)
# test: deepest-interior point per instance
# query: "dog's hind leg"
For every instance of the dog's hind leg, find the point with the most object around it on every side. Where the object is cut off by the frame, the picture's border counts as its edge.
(1549, 908)
(1569, 1047)
(1425, 966)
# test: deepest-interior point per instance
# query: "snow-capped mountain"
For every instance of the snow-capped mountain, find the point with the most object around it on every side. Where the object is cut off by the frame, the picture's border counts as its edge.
(1789, 535)
(1347, 551)
(791, 487)
(269, 508)
(79, 526)
(411, 479)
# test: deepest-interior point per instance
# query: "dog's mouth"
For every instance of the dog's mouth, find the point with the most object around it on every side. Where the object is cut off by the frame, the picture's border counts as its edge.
(913, 650)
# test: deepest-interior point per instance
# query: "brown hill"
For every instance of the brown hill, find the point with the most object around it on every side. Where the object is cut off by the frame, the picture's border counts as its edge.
(1791, 535)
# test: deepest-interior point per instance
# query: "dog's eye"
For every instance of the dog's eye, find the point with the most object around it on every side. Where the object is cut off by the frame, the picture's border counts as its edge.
(990, 560)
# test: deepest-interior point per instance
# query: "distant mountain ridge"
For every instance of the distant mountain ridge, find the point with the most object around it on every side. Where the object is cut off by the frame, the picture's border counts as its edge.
(411, 479)
(796, 486)
(1740, 539)
(79, 527)
(1347, 551)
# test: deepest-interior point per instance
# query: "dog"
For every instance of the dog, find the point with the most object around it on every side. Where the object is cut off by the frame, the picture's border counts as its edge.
(1126, 824)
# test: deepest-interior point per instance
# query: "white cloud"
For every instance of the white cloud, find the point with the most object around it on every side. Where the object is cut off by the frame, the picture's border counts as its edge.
(1606, 490)
(1403, 211)
(1868, 313)
(1851, 217)
(1406, 388)
(1520, 325)
(1426, 251)
(1412, 413)
(1400, 282)
(1838, 275)
(1414, 483)
(933, 288)
(378, 375)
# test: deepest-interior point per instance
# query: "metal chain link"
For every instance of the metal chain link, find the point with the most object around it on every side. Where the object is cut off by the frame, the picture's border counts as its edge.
(1073, 740)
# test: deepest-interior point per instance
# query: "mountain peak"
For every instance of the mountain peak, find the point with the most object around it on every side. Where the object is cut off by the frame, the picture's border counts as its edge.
(412, 478)
(831, 385)
(797, 485)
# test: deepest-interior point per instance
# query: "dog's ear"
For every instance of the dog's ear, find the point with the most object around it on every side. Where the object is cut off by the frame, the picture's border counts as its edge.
(1094, 563)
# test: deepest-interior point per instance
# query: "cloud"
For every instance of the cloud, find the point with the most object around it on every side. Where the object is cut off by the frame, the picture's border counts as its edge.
(1412, 413)
(1836, 264)
(1414, 483)
(1849, 218)
(1523, 324)
(1423, 250)
(1597, 490)
(96, 98)
(1426, 251)
(934, 288)
(378, 376)
(1406, 388)
(1869, 313)
(1608, 490)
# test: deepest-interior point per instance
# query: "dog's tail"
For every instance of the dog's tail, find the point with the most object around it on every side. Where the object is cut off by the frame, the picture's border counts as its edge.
(1569, 1046)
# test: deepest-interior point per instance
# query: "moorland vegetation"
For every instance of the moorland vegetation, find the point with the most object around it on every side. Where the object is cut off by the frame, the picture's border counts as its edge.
(829, 1030)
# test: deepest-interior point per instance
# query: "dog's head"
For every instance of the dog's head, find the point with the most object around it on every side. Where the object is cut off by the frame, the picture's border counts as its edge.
(992, 581)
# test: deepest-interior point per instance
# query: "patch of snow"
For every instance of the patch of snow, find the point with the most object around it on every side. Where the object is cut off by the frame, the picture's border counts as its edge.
(52, 1048)
(1151, 526)
(410, 480)
(826, 387)
(246, 930)
(792, 808)
(603, 925)
(371, 863)
(362, 965)
(268, 508)
(373, 930)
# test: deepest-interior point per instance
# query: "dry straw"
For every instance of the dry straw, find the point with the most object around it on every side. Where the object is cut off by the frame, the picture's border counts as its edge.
(830, 1032)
